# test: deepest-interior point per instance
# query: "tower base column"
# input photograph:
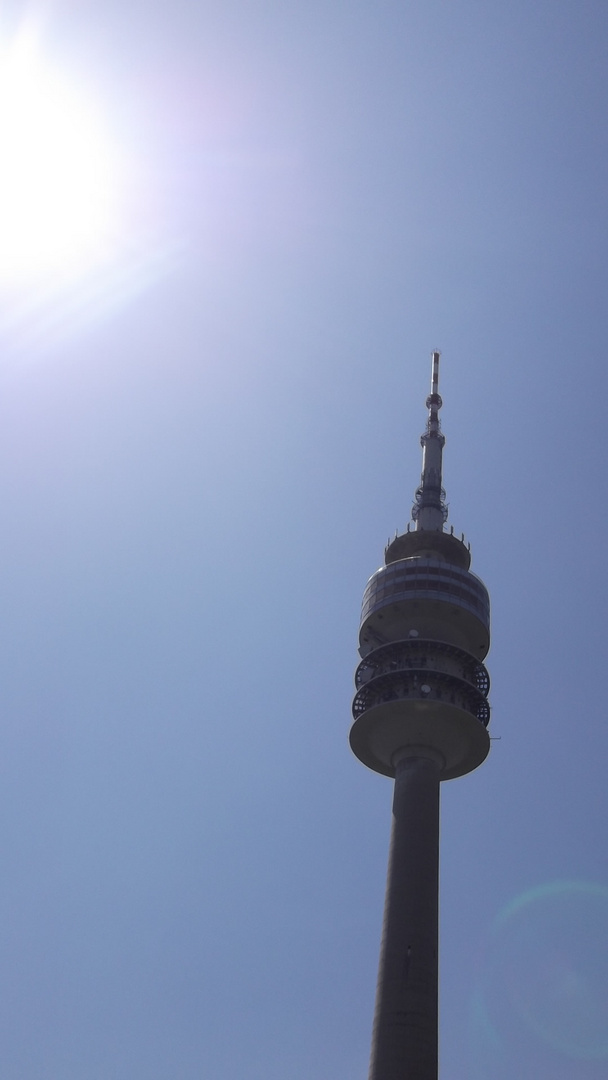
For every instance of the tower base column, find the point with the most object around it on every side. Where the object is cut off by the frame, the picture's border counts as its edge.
(404, 1040)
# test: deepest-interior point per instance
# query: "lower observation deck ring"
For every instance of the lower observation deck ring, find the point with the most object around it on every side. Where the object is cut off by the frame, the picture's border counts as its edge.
(380, 732)
(422, 685)
(421, 653)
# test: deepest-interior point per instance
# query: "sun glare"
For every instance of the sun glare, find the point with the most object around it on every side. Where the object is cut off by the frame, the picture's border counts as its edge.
(58, 174)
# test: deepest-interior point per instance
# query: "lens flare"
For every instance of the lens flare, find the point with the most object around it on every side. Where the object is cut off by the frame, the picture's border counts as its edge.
(542, 996)
(59, 176)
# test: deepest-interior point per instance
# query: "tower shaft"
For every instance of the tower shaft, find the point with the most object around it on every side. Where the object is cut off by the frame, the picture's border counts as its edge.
(404, 1039)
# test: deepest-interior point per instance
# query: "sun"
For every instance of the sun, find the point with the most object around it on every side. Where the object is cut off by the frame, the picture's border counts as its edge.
(59, 174)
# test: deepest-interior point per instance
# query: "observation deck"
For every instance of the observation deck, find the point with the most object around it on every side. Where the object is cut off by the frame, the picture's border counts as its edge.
(431, 596)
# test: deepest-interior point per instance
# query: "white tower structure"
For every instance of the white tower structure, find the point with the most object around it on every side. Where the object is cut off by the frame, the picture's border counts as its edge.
(420, 715)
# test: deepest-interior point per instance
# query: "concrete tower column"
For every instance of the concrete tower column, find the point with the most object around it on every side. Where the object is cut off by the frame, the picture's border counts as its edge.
(404, 1039)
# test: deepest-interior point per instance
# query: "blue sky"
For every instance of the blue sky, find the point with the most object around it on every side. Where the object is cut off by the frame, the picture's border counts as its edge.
(204, 446)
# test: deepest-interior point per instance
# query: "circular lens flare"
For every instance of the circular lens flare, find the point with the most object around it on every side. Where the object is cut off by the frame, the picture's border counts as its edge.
(542, 995)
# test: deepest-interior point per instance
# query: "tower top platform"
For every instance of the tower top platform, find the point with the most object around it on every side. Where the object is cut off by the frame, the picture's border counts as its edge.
(429, 543)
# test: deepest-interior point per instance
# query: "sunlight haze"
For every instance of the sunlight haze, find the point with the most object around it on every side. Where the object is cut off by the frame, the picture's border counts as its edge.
(59, 174)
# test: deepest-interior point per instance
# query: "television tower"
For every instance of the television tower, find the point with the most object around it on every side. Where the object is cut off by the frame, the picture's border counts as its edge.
(420, 716)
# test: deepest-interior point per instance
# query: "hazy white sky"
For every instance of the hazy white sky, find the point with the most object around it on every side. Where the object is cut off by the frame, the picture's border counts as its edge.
(206, 438)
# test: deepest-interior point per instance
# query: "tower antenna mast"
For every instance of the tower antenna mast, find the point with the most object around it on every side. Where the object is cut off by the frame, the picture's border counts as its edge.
(430, 510)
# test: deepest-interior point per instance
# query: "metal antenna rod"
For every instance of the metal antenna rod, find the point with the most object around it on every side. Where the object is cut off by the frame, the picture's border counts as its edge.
(430, 510)
(434, 402)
